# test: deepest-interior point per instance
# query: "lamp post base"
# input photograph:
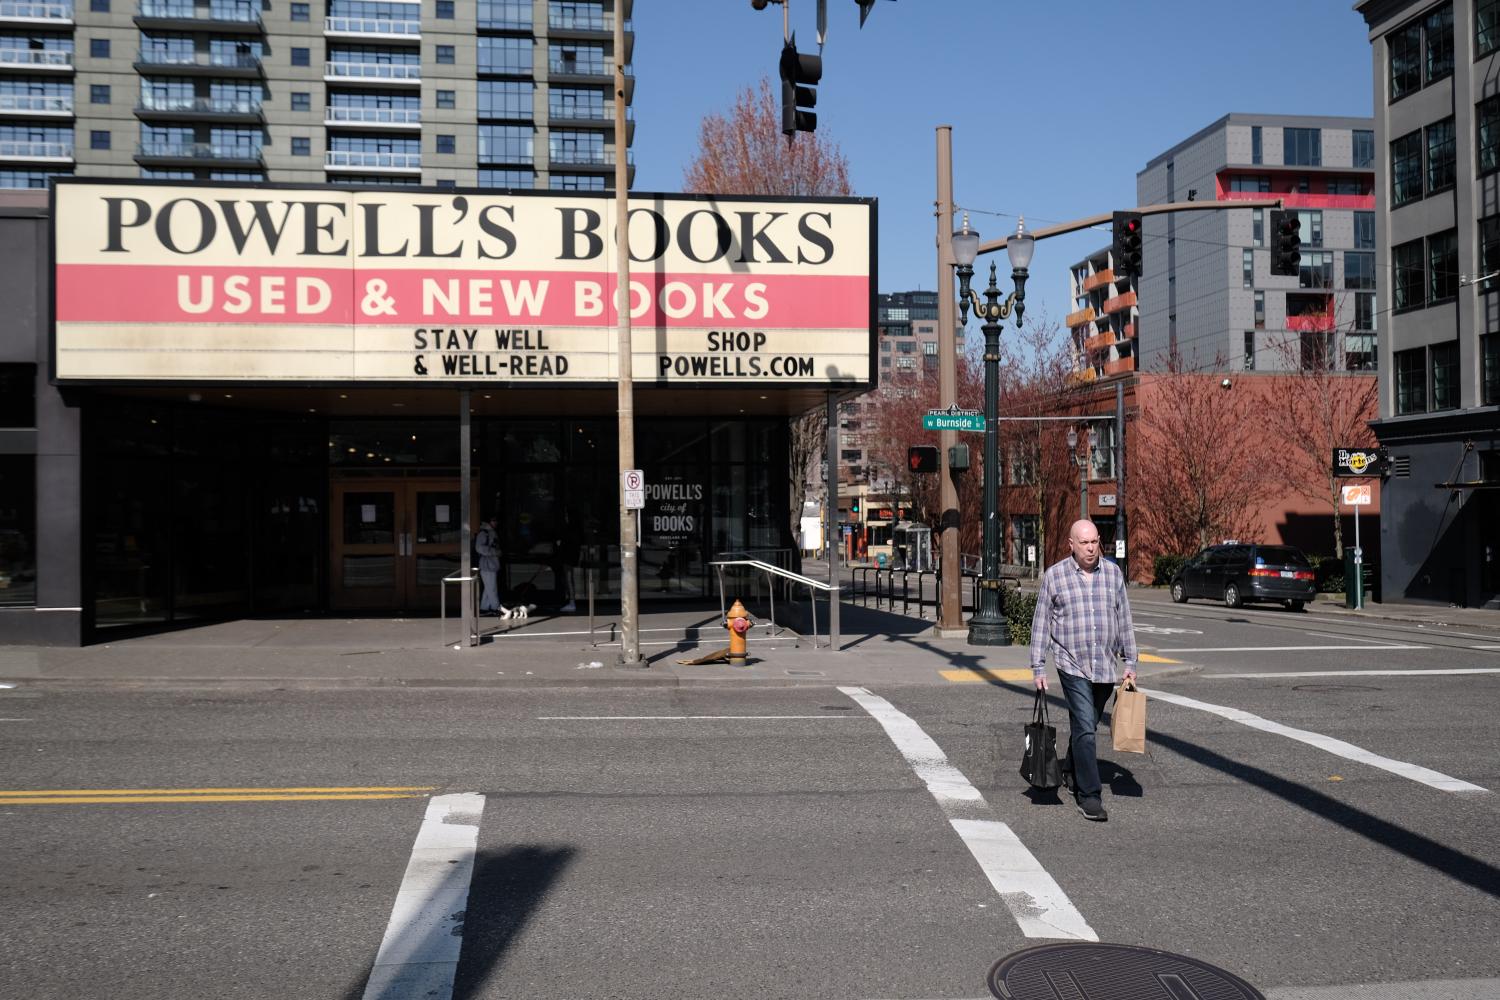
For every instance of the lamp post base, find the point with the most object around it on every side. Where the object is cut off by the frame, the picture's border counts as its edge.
(988, 631)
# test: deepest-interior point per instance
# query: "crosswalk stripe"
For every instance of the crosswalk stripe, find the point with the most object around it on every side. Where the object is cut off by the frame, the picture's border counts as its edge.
(418, 955)
(1034, 898)
(1415, 772)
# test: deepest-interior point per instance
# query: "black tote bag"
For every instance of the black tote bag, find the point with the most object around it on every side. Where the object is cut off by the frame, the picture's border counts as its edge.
(1039, 764)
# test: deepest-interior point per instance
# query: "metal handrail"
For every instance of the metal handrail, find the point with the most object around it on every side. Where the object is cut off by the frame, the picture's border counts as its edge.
(770, 570)
(471, 621)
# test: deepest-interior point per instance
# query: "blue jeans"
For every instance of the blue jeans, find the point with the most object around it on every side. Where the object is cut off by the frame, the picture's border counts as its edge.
(1086, 701)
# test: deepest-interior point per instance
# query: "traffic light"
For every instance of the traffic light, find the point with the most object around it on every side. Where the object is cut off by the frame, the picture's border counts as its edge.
(1286, 252)
(922, 458)
(1127, 245)
(855, 505)
(798, 74)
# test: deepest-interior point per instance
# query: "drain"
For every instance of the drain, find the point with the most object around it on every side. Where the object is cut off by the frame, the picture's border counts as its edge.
(1112, 972)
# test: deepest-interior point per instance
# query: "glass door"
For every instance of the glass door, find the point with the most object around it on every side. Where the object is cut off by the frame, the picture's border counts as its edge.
(393, 542)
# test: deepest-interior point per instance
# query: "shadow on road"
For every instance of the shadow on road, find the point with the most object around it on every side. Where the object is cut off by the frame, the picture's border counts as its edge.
(1455, 864)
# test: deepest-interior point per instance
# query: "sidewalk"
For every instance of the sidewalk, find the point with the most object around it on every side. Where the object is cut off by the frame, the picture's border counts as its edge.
(876, 647)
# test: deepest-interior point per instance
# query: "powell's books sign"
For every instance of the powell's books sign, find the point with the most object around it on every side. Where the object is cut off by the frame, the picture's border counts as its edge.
(227, 283)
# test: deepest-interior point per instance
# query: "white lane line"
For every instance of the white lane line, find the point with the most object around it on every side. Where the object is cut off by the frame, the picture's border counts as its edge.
(1338, 748)
(1414, 672)
(15, 720)
(1484, 647)
(1431, 989)
(1034, 898)
(633, 718)
(1332, 635)
(418, 956)
(1277, 649)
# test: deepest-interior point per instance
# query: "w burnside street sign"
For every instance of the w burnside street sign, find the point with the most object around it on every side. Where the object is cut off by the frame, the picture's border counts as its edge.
(953, 419)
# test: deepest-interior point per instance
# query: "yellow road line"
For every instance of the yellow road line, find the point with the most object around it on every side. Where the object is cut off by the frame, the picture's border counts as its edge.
(983, 674)
(1148, 658)
(34, 792)
(63, 800)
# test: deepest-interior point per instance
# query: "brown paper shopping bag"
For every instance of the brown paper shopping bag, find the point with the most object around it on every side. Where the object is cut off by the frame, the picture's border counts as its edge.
(1127, 725)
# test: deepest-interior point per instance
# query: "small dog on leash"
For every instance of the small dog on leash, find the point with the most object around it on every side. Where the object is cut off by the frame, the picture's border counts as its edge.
(520, 611)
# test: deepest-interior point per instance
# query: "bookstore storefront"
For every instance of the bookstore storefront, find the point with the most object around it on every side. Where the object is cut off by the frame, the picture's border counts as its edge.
(247, 400)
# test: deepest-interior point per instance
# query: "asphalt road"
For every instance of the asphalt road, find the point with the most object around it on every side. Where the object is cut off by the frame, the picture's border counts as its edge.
(768, 842)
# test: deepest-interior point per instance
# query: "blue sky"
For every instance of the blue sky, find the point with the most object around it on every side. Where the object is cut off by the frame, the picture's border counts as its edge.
(1054, 106)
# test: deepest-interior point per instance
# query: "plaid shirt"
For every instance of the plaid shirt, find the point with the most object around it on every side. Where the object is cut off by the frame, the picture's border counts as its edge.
(1084, 619)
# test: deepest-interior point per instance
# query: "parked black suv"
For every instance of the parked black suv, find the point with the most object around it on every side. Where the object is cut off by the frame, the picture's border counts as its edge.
(1236, 572)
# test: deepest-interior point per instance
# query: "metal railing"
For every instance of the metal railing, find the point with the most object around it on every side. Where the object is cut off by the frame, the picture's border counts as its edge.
(372, 160)
(36, 11)
(27, 150)
(572, 67)
(372, 116)
(885, 589)
(36, 57)
(373, 26)
(217, 60)
(198, 151)
(374, 71)
(231, 13)
(770, 571)
(200, 105)
(50, 104)
(587, 157)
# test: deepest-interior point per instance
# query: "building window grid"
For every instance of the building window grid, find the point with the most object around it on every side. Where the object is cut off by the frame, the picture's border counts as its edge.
(1439, 48)
(1411, 380)
(1489, 253)
(1260, 310)
(1316, 270)
(1247, 268)
(1410, 276)
(1404, 49)
(1302, 147)
(1442, 266)
(1487, 133)
(1359, 270)
(508, 99)
(1489, 368)
(1258, 227)
(1257, 156)
(1442, 163)
(1364, 230)
(1486, 26)
(1406, 169)
(519, 179)
(1443, 360)
(1364, 148)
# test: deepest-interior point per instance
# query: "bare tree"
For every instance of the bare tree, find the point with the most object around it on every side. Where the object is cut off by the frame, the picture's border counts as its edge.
(744, 152)
(1316, 406)
(1206, 480)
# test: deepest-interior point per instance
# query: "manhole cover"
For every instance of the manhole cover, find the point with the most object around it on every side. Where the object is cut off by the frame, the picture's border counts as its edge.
(1112, 972)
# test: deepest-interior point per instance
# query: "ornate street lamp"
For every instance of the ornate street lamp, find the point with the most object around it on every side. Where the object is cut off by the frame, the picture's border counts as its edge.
(988, 627)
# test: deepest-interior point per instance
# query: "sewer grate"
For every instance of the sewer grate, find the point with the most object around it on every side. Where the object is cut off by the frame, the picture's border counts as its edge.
(1112, 972)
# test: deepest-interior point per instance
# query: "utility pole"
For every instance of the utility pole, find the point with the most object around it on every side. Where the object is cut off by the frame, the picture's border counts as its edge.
(950, 605)
(630, 635)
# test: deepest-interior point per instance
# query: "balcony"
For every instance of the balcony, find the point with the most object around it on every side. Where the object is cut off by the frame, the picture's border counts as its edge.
(366, 162)
(1084, 315)
(194, 108)
(374, 74)
(1119, 303)
(384, 29)
(377, 118)
(586, 158)
(1099, 342)
(573, 71)
(1121, 366)
(198, 152)
(581, 25)
(176, 15)
(34, 15)
(37, 105)
(50, 61)
(505, 157)
(22, 150)
(591, 118)
(234, 65)
(1099, 279)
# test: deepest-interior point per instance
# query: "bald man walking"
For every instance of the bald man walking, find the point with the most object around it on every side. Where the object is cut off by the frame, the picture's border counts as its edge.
(1083, 619)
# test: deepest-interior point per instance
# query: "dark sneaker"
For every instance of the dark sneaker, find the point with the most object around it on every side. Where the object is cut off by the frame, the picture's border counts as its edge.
(1092, 809)
(1067, 776)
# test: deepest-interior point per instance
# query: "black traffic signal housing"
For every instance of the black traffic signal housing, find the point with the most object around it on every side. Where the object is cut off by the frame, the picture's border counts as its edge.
(1127, 244)
(854, 507)
(1286, 250)
(922, 458)
(798, 75)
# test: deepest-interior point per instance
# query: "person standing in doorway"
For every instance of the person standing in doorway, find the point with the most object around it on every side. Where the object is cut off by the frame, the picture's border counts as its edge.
(1083, 620)
(487, 544)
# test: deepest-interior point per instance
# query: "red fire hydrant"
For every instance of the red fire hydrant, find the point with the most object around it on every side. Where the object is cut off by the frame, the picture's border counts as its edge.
(738, 623)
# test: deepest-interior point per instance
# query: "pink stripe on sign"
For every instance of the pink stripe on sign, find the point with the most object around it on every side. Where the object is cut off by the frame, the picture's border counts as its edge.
(135, 293)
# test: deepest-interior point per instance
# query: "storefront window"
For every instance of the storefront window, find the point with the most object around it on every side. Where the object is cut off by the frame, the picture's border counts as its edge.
(17, 530)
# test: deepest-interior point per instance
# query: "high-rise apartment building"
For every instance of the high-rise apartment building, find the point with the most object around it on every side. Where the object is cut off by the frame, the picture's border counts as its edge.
(1103, 320)
(1207, 293)
(447, 93)
(1437, 129)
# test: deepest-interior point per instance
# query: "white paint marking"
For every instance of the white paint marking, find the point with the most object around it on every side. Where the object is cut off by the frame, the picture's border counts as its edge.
(6, 687)
(1034, 898)
(1278, 649)
(633, 718)
(418, 956)
(1338, 748)
(1414, 672)
(15, 720)
(1333, 635)
(1484, 647)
